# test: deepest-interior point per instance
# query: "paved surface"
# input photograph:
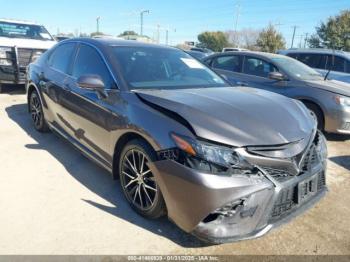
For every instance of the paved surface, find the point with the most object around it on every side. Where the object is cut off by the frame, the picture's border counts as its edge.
(55, 201)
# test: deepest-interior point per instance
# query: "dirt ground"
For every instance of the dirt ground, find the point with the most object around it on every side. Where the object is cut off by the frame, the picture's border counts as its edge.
(55, 201)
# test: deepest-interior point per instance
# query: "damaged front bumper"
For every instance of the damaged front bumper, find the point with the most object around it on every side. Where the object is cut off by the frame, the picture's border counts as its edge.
(225, 208)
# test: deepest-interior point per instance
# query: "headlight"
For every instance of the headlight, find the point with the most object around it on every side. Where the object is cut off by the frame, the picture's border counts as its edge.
(342, 100)
(220, 155)
(321, 147)
(5, 58)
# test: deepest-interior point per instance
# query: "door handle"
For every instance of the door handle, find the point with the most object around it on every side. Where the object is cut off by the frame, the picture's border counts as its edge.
(242, 83)
(66, 87)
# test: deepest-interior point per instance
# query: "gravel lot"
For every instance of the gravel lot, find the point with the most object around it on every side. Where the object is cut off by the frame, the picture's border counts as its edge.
(55, 201)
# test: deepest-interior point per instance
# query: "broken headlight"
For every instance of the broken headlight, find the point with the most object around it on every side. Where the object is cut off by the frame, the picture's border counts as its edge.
(201, 153)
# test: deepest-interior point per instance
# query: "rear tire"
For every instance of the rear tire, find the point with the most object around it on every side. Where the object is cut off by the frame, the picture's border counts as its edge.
(137, 180)
(318, 113)
(36, 112)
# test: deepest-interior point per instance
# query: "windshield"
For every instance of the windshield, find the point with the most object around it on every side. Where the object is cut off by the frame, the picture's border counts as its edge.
(163, 68)
(296, 69)
(15, 30)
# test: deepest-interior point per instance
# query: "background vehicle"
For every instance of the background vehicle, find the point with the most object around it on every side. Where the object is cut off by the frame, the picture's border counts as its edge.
(181, 140)
(196, 54)
(329, 100)
(202, 49)
(233, 49)
(322, 61)
(20, 44)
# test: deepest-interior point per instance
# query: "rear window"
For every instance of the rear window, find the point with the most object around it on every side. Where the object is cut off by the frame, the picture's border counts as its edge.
(229, 63)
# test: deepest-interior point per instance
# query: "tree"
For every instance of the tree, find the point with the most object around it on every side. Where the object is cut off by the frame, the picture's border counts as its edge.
(128, 33)
(334, 33)
(245, 38)
(269, 40)
(215, 41)
(96, 33)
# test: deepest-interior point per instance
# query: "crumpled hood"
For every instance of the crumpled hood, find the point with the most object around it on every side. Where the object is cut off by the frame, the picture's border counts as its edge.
(334, 86)
(237, 116)
(26, 43)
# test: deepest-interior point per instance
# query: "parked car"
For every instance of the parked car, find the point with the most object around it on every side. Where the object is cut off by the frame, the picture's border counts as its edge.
(224, 163)
(20, 44)
(196, 54)
(233, 49)
(60, 38)
(329, 100)
(203, 50)
(322, 61)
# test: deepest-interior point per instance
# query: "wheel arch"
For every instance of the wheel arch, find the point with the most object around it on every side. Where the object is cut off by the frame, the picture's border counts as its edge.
(120, 144)
(317, 105)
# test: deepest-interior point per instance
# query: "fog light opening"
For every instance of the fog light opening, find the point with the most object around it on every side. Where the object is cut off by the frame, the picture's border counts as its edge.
(228, 210)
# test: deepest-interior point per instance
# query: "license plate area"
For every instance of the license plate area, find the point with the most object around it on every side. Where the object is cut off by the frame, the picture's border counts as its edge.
(307, 189)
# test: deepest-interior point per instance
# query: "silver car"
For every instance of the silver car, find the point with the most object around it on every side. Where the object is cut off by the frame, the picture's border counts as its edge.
(322, 60)
(328, 99)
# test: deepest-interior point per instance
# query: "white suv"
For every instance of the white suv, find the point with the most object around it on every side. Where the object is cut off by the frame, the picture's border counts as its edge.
(20, 44)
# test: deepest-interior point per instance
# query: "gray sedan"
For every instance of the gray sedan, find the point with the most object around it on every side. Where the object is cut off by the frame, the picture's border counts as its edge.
(223, 163)
(328, 99)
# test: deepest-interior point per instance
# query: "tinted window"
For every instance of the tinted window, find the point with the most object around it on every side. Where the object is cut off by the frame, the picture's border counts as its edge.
(347, 66)
(339, 63)
(163, 68)
(313, 60)
(257, 67)
(293, 55)
(89, 62)
(230, 63)
(61, 57)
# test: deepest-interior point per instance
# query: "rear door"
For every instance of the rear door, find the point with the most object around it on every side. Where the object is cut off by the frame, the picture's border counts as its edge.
(229, 66)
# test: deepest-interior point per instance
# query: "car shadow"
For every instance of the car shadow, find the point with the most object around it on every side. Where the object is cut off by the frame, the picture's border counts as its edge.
(343, 161)
(13, 89)
(97, 180)
(337, 137)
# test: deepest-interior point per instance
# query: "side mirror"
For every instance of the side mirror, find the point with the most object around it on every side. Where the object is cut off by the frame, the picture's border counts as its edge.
(92, 82)
(277, 76)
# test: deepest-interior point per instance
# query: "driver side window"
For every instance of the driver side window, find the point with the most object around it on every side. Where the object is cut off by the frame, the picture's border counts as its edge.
(89, 62)
(258, 67)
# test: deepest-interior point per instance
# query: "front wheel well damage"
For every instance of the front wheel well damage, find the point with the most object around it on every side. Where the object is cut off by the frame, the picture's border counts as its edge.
(121, 143)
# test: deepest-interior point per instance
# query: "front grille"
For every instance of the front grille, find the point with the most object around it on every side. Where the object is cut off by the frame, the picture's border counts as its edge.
(25, 55)
(279, 175)
(288, 197)
(285, 201)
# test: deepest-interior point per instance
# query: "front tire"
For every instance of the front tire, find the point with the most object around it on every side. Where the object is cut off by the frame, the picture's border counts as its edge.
(36, 112)
(137, 180)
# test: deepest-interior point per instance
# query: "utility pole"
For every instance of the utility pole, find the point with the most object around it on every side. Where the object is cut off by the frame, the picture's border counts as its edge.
(141, 20)
(98, 24)
(238, 7)
(306, 36)
(166, 36)
(158, 27)
(295, 27)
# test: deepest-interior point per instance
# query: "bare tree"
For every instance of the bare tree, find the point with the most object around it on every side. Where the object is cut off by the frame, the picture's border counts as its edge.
(245, 38)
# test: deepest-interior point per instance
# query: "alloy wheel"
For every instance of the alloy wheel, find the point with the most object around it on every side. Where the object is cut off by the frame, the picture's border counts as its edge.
(138, 180)
(36, 110)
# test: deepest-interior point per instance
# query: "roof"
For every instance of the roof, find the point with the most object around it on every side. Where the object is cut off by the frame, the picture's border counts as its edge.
(313, 51)
(248, 53)
(18, 21)
(117, 42)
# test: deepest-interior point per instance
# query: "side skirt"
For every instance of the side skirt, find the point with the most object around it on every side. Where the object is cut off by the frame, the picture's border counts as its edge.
(81, 148)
